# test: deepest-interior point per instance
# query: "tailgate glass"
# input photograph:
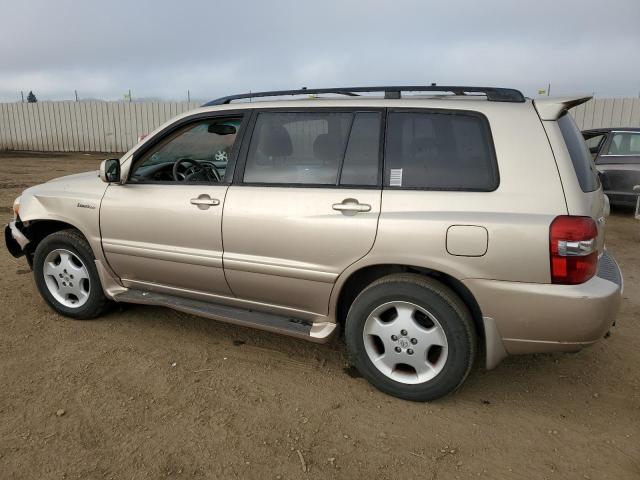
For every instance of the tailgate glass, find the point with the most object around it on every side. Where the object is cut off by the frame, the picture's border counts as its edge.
(580, 156)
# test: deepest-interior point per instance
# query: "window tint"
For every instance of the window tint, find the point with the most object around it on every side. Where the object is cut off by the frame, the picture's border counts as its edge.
(439, 151)
(297, 148)
(204, 148)
(625, 144)
(362, 159)
(580, 155)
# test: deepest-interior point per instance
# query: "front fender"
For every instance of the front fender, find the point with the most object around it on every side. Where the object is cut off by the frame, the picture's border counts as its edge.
(73, 200)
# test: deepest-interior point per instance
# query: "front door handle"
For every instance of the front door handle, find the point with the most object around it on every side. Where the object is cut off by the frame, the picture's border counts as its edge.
(351, 206)
(204, 201)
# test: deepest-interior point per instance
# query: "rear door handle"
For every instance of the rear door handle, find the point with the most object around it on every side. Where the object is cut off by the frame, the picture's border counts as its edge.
(204, 201)
(351, 206)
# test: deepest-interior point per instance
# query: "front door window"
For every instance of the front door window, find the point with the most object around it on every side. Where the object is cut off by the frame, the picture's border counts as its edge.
(196, 153)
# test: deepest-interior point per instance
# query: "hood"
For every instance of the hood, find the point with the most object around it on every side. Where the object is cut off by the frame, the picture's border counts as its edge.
(76, 176)
(61, 198)
(86, 183)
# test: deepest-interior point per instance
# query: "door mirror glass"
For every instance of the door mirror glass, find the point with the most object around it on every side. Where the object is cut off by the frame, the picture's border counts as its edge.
(110, 170)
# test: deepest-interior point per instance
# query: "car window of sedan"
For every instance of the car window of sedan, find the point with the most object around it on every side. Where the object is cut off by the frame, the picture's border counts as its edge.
(196, 153)
(594, 142)
(625, 143)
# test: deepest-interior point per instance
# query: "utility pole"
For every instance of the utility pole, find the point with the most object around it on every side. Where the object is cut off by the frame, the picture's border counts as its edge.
(22, 95)
(129, 95)
(76, 92)
(548, 90)
(188, 96)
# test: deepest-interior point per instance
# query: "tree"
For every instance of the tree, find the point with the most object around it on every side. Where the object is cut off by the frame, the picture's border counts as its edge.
(31, 98)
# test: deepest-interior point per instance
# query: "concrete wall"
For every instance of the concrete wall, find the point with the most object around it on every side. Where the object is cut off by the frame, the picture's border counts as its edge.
(114, 126)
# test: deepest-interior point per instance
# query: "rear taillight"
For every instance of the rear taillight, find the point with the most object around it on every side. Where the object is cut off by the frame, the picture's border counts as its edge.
(573, 249)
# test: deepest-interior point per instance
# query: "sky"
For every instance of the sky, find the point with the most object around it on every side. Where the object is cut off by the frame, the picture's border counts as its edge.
(164, 48)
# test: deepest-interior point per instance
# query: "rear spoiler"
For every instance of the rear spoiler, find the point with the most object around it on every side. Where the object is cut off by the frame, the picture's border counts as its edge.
(552, 108)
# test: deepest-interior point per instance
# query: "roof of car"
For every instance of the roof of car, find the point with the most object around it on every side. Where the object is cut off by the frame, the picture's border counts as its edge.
(611, 129)
(457, 102)
(391, 92)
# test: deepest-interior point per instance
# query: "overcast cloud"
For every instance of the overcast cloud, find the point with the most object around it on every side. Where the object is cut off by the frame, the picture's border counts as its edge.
(163, 48)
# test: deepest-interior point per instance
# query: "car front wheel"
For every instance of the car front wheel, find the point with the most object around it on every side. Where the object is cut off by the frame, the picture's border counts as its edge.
(66, 275)
(411, 337)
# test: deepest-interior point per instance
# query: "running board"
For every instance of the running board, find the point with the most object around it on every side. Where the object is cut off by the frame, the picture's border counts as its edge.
(238, 316)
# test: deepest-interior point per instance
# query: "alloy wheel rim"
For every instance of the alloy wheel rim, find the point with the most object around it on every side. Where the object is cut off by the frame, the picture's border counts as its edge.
(66, 278)
(405, 342)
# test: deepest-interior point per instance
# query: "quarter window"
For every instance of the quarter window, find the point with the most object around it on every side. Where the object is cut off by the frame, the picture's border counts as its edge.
(439, 151)
(593, 143)
(362, 158)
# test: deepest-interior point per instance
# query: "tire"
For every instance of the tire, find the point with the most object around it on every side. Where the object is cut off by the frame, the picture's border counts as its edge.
(71, 250)
(404, 320)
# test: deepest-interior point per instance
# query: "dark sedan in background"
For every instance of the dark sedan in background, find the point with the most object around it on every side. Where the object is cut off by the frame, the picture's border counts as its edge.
(616, 152)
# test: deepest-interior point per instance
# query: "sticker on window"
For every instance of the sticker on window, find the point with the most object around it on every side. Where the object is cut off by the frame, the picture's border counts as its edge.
(395, 179)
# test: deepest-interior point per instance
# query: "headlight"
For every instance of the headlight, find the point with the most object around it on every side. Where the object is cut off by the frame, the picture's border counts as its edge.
(16, 208)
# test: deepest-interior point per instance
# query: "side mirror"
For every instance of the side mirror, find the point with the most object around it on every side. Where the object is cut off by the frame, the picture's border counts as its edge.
(594, 150)
(222, 129)
(110, 170)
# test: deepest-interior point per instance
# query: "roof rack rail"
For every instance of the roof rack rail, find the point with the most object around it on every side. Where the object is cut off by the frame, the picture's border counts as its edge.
(493, 94)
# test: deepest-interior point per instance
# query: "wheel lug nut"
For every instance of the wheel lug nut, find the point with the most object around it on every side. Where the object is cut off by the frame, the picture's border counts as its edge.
(394, 337)
(414, 341)
(398, 349)
(410, 352)
(403, 332)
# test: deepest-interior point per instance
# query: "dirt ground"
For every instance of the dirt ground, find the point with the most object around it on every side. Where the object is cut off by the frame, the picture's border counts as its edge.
(151, 393)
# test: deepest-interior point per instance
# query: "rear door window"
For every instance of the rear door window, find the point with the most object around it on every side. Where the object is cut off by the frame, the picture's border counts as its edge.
(314, 148)
(625, 143)
(580, 156)
(439, 151)
(362, 158)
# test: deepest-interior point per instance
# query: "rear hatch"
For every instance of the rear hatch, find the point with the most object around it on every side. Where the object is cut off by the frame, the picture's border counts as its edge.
(580, 181)
(594, 203)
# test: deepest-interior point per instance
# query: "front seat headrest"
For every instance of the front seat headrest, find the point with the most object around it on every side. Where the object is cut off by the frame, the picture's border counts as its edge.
(274, 141)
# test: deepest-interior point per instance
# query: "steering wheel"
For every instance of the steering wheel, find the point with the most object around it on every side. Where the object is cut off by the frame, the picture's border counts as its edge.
(194, 167)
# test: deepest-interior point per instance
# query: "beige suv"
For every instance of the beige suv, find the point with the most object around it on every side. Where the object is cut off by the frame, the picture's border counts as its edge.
(427, 223)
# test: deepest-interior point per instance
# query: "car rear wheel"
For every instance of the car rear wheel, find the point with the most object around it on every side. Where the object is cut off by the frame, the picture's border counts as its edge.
(411, 337)
(66, 275)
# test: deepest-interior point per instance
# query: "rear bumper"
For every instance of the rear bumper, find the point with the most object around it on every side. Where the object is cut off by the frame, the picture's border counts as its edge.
(623, 199)
(535, 318)
(14, 239)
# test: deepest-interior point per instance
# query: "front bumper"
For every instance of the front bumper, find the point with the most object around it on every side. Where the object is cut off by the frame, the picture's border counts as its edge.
(15, 239)
(535, 318)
